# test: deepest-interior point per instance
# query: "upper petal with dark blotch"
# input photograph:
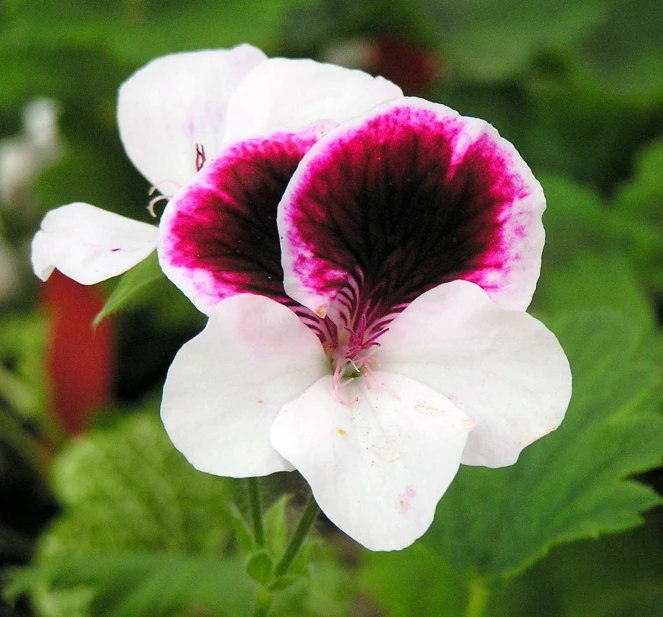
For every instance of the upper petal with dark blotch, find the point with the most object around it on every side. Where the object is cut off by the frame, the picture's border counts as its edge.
(218, 236)
(176, 102)
(408, 197)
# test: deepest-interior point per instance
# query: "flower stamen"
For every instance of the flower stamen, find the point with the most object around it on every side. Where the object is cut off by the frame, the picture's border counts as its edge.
(352, 354)
(200, 156)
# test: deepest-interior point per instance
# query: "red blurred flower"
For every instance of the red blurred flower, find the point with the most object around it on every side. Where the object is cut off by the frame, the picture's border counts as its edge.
(80, 358)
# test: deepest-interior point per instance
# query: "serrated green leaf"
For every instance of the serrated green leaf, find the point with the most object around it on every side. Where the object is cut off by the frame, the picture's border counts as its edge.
(131, 284)
(259, 566)
(126, 487)
(573, 483)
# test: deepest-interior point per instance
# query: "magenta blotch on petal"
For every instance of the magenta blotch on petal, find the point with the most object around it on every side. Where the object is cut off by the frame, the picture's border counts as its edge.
(410, 196)
(218, 237)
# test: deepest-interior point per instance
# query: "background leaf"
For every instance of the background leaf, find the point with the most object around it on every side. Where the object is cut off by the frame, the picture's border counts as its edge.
(125, 486)
(130, 285)
(146, 584)
(613, 577)
(413, 583)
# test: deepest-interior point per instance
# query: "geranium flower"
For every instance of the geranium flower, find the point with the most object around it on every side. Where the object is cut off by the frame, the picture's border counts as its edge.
(167, 132)
(366, 288)
(365, 276)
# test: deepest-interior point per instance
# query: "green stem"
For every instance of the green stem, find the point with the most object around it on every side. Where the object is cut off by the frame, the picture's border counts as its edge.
(478, 599)
(263, 603)
(256, 512)
(305, 524)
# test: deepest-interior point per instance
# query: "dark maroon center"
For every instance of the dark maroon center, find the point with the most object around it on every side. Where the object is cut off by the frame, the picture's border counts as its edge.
(388, 205)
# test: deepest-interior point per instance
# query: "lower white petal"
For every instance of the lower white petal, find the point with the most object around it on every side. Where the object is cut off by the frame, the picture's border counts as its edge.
(378, 465)
(89, 244)
(226, 386)
(502, 367)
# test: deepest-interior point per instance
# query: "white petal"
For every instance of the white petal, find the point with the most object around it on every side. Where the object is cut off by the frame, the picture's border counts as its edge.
(89, 244)
(377, 467)
(502, 367)
(176, 102)
(291, 94)
(226, 386)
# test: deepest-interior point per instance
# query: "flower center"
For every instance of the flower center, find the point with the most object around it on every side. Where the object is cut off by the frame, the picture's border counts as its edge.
(352, 355)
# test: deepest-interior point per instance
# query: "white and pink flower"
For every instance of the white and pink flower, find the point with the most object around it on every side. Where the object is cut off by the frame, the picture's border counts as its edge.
(366, 261)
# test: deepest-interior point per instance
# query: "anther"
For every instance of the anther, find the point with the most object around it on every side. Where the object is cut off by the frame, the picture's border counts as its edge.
(200, 156)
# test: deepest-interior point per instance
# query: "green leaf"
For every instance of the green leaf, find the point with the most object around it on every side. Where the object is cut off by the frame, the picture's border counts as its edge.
(244, 535)
(136, 32)
(412, 583)
(587, 245)
(625, 52)
(489, 41)
(327, 592)
(581, 284)
(573, 483)
(283, 582)
(260, 566)
(131, 284)
(144, 584)
(642, 195)
(23, 381)
(125, 486)
(640, 202)
(614, 576)
(276, 526)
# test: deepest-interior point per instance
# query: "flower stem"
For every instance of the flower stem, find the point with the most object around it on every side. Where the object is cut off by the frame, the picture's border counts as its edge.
(305, 524)
(256, 512)
(478, 599)
(263, 603)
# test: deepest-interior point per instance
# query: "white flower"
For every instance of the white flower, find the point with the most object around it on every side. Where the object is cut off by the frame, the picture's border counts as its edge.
(23, 157)
(366, 293)
(365, 260)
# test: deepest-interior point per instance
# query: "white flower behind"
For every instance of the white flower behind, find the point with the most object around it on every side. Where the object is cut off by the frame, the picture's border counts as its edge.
(182, 105)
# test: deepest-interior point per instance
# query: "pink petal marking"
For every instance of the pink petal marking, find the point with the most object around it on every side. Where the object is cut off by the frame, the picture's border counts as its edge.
(218, 237)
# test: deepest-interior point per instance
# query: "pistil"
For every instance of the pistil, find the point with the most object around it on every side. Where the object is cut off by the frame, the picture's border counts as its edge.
(352, 354)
